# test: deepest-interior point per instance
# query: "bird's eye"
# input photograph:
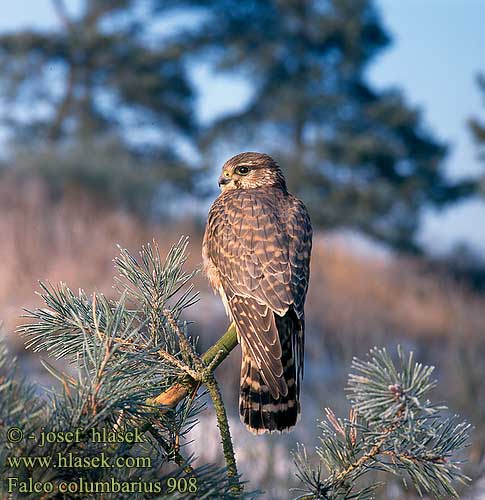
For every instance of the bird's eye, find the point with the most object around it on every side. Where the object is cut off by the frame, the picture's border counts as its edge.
(242, 170)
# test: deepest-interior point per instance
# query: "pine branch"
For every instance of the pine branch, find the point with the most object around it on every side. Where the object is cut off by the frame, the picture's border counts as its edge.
(131, 349)
(184, 386)
(392, 428)
(223, 424)
(204, 374)
(138, 369)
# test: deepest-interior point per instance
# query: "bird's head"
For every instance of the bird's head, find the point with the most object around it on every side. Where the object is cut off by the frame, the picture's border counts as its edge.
(251, 170)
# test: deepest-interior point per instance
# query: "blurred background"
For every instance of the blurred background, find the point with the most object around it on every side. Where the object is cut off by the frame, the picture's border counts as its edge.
(116, 117)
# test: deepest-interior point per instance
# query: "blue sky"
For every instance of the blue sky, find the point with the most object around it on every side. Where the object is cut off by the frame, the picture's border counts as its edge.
(438, 49)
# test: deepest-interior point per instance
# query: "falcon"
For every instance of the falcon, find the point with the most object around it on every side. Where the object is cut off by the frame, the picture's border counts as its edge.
(256, 255)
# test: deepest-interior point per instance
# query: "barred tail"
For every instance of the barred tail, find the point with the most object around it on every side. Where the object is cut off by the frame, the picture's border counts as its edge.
(259, 411)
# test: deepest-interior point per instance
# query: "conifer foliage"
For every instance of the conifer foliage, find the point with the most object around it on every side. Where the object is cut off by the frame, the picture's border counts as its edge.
(125, 352)
(392, 428)
(135, 372)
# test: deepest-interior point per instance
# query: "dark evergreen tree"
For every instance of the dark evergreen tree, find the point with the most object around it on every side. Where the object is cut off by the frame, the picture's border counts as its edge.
(358, 156)
(98, 84)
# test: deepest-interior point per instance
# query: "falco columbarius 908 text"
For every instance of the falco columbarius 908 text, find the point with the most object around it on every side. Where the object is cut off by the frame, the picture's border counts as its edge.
(256, 254)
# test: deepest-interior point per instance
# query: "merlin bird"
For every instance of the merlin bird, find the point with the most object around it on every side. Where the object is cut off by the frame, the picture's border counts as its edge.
(256, 254)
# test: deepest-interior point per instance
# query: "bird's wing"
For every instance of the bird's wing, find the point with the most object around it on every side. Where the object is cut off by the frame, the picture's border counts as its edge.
(248, 243)
(299, 230)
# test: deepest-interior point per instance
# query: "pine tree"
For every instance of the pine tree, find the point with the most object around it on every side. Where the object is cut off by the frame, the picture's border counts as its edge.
(358, 156)
(126, 352)
(98, 84)
(135, 369)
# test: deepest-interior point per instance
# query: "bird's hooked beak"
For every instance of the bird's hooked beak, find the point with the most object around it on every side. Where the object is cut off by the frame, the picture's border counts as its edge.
(223, 180)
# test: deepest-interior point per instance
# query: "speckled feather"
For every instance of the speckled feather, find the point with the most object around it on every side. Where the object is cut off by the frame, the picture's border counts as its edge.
(256, 253)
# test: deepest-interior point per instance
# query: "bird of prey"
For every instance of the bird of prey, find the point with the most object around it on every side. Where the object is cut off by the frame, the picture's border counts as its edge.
(256, 255)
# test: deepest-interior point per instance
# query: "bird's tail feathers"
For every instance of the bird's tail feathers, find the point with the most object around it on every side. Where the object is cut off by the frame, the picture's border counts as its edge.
(260, 412)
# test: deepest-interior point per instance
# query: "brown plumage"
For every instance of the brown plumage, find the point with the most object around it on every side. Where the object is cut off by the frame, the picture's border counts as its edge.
(256, 254)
